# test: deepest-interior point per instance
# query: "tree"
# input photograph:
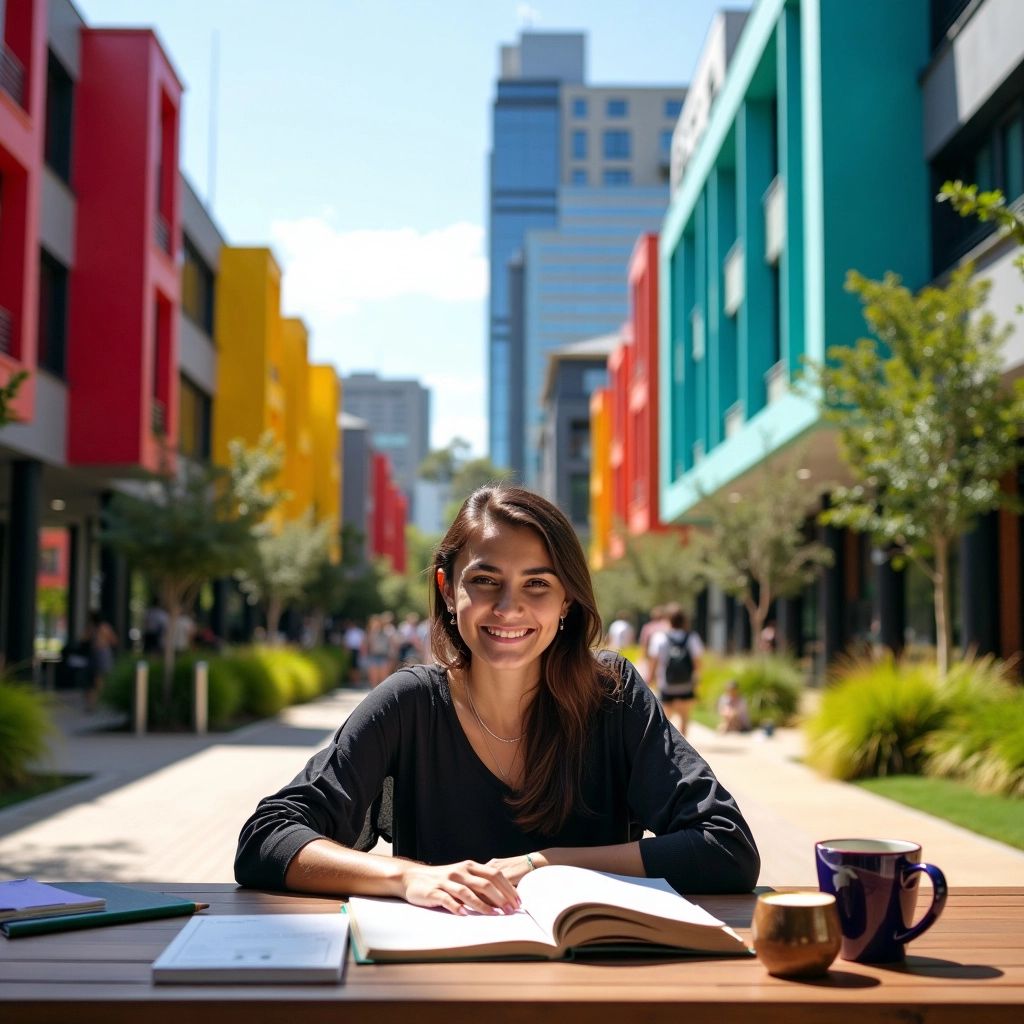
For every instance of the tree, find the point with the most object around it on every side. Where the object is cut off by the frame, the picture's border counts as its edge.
(193, 525)
(655, 568)
(755, 545)
(926, 424)
(409, 592)
(8, 392)
(284, 565)
(441, 464)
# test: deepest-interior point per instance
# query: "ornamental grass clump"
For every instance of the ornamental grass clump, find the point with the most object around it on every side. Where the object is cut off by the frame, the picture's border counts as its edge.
(982, 742)
(25, 729)
(875, 719)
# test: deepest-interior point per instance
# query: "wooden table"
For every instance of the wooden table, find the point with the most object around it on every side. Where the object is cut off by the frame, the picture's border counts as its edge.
(968, 967)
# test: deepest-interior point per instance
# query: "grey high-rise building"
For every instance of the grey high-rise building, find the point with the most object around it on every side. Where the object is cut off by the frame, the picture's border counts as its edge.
(397, 413)
(577, 172)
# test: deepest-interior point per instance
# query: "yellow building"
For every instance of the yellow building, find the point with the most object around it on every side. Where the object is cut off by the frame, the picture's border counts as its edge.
(325, 407)
(297, 471)
(250, 354)
(600, 477)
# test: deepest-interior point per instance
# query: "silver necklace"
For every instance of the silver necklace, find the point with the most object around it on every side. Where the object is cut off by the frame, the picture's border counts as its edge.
(493, 735)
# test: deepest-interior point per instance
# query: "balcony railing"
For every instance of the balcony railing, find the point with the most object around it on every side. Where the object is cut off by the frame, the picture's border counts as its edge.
(734, 419)
(774, 220)
(776, 379)
(158, 416)
(6, 331)
(735, 278)
(163, 233)
(12, 76)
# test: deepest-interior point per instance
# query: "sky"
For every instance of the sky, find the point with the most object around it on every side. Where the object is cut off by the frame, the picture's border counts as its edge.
(351, 136)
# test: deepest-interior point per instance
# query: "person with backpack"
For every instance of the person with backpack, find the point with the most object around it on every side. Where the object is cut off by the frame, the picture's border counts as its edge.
(676, 652)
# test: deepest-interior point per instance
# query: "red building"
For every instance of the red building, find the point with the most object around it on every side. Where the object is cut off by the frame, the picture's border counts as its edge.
(22, 121)
(388, 517)
(633, 385)
(124, 293)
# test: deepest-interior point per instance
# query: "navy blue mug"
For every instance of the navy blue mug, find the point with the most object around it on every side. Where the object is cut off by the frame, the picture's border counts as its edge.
(874, 882)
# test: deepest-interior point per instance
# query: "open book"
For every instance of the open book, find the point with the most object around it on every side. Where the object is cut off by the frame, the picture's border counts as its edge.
(563, 910)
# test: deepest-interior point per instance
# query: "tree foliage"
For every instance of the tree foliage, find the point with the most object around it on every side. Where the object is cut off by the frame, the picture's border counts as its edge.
(8, 392)
(655, 568)
(192, 525)
(926, 424)
(755, 546)
(441, 464)
(284, 565)
(470, 475)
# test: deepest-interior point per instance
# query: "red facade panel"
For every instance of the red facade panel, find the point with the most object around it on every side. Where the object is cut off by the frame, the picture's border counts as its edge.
(22, 118)
(123, 328)
(643, 514)
(388, 516)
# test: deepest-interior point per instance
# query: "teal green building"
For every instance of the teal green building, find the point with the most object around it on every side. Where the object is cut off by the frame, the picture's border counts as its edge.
(819, 151)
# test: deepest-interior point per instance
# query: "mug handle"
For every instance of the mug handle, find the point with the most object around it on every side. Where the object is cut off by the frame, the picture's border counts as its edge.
(939, 893)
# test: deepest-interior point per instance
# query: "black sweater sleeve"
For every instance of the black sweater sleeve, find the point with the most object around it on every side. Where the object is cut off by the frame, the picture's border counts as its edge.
(701, 843)
(337, 794)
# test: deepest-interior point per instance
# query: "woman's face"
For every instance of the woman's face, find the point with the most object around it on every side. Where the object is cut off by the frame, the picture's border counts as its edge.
(506, 596)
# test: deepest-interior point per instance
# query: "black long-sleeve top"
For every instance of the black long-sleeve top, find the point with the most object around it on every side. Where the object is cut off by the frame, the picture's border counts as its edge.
(402, 767)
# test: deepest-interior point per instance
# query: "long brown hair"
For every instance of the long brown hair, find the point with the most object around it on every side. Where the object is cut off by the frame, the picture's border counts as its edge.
(559, 717)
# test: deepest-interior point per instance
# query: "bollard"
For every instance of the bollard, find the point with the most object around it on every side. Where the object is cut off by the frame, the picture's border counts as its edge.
(141, 696)
(201, 704)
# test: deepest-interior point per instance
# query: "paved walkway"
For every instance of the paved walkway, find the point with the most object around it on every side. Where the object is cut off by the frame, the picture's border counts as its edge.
(168, 808)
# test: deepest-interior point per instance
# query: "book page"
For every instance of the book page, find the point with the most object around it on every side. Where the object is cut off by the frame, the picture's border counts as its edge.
(393, 925)
(549, 891)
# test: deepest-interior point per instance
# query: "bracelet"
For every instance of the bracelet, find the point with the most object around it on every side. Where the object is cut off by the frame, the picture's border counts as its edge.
(529, 860)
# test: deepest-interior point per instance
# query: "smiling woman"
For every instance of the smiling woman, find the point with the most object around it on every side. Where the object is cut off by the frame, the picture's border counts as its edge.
(520, 747)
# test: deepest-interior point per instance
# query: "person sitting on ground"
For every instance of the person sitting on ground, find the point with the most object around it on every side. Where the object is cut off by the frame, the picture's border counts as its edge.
(518, 748)
(733, 715)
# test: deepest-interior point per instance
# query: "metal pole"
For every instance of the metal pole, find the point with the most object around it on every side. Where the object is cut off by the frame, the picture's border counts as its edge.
(201, 696)
(141, 696)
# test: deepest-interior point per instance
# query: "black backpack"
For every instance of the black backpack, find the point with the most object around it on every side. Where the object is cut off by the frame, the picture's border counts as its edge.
(678, 659)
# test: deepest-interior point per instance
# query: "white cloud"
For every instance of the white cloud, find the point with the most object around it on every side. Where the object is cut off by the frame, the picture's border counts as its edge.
(330, 273)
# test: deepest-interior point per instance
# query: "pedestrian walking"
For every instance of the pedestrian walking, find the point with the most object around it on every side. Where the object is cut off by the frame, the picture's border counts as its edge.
(101, 641)
(676, 653)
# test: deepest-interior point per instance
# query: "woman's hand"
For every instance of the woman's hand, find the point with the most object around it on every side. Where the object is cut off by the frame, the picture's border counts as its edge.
(513, 868)
(460, 888)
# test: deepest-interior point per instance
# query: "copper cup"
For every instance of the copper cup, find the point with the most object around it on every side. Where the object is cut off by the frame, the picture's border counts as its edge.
(796, 934)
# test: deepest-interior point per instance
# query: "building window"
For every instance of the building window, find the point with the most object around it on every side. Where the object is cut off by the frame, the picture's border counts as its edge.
(579, 107)
(617, 145)
(579, 145)
(617, 108)
(579, 439)
(60, 91)
(197, 288)
(665, 144)
(617, 176)
(673, 108)
(579, 498)
(194, 419)
(989, 154)
(53, 314)
(579, 176)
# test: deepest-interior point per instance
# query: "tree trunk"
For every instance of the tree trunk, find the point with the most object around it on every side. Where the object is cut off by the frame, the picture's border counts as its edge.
(757, 615)
(943, 627)
(274, 610)
(173, 606)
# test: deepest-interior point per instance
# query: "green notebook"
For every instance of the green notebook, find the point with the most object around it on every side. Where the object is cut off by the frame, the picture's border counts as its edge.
(124, 903)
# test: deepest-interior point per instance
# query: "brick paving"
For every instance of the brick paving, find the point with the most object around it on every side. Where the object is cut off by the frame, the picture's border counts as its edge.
(168, 808)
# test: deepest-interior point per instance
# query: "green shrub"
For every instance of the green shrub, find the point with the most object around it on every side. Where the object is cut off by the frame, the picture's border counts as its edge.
(264, 694)
(225, 689)
(330, 666)
(291, 670)
(983, 741)
(770, 683)
(874, 719)
(25, 728)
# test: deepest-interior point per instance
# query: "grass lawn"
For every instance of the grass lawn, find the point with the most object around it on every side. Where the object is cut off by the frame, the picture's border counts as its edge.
(998, 817)
(37, 785)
